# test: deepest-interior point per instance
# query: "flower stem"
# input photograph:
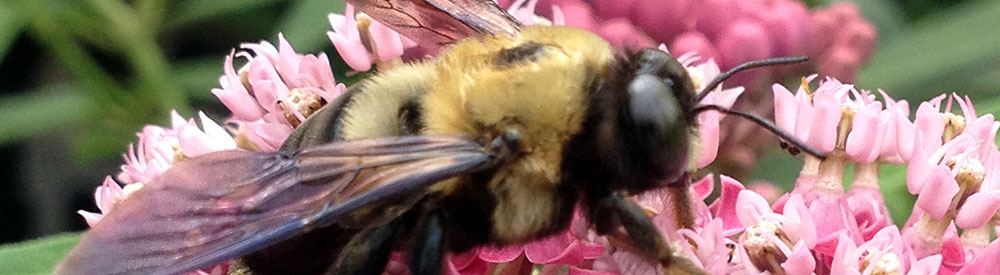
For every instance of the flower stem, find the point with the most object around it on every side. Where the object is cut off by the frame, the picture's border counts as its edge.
(866, 176)
(975, 239)
(830, 177)
(926, 236)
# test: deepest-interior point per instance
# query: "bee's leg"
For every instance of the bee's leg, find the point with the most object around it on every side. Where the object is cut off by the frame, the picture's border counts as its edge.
(681, 201)
(644, 234)
(426, 257)
(368, 252)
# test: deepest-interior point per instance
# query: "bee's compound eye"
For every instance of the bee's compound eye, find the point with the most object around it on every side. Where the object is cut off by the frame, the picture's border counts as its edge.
(657, 125)
(652, 103)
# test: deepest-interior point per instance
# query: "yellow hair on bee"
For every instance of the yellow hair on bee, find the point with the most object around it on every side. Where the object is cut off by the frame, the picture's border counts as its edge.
(479, 94)
(374, 112)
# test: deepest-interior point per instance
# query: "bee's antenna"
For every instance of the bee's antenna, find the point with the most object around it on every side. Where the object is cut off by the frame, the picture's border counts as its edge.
(767, 125)
(748, 65)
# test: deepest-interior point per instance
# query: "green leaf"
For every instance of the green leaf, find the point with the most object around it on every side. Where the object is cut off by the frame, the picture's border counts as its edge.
(779, 168)
(198, 77)
(41, 110)
(892, 179)
(885, 15)
(10, 26)
(305, 25)
(943, 53)
(193, 11)
(37, 256)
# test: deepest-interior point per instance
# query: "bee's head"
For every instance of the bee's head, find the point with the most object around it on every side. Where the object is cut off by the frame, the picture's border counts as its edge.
(657, 120)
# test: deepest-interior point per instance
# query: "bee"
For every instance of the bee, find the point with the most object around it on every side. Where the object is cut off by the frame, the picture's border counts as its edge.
(495, 141)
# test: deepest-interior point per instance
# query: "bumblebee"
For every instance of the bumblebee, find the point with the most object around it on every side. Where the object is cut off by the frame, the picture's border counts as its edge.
(495, 141)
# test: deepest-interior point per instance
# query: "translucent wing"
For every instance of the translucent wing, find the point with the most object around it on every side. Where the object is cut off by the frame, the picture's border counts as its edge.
(439, 22)
(226, 204)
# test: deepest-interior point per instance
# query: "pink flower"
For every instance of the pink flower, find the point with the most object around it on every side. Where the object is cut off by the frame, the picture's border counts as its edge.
(709, 247)
(694, 42)
(275, 91)
(106, 196)
(348, 37)
(725, 207)
(848, 42)
(565, 248)
(771, 239)
(158, 149)
(986, 261)
(623, 35)
(883, 254)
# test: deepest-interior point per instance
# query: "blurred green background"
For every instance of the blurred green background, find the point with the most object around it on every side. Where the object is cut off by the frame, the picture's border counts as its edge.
(78, 78)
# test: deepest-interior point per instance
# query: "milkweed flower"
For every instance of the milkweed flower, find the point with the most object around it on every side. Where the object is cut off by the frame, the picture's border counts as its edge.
(363, 42)
(157, 149)
(817, 228)
(730, 32)
(565, 248)
(275, 91)
(883, 254)
(953, 171)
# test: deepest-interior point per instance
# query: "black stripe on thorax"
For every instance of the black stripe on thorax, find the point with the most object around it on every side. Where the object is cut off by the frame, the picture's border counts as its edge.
(519, 54)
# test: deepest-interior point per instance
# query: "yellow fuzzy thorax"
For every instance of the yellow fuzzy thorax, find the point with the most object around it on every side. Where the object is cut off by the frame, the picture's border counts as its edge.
(544, 100)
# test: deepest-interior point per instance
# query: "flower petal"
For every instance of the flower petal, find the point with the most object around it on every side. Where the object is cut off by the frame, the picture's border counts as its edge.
(504, 254)
(936, 195)
(704, 186)
(750, 207)
(556, 249)
(927, 266)
(978, 209)
(825, 120)
(800, 262)
(725, 206)
(785, 108)
(985, 262)
(91, 218)
(863, 142)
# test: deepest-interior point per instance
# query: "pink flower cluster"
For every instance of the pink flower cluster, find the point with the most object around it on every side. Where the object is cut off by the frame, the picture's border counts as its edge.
(363, 42)
(818, 228)
(275, 91)
(730, 31)
(272, 94)
(157, 150)
(952, 169)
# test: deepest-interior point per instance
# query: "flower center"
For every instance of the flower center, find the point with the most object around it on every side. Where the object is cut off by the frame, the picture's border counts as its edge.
(970, 177)
(953, 125)
(762, 242)
(888, 264)
(299, 105)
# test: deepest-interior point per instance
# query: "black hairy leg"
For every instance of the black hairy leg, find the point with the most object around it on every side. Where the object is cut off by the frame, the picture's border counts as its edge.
(368, 252)
(681, 201)
(609, 212)
(427, 253)
(309, 253)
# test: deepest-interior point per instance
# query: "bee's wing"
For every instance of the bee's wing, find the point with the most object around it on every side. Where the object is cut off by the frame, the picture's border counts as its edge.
(440, 22)
(222, 205)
